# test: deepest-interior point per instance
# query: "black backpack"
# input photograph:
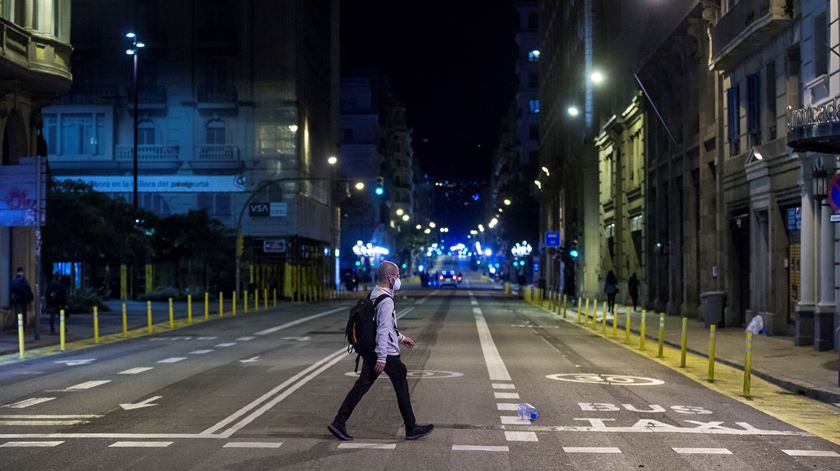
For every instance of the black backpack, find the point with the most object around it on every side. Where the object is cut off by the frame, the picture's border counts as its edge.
(361, 326)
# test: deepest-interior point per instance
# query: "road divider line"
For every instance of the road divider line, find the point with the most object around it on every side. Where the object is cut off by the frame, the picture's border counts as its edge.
(40, 423)
(245, 339)
(252, 445)
(298, 321)
(32, 401)
(200, 352)
(42, 416)
(88, 385)
(591, 449)
(506, 395)
(367, 446)
(40, 444)
(480, 448)
(503, 386)
(225, 345)
(172, 360)
(812, 453)
(702, 451)
(139, 444)
(513, 436)
(135, 371)
(496, 368)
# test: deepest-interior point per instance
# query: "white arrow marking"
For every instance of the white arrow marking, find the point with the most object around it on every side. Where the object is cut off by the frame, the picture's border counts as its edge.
(29, 402)
(250, 360)
(299, 339)
(85, 361)
(141, 404)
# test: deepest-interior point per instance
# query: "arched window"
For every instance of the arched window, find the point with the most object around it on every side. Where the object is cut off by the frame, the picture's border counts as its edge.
(146, 134)
(215, 132)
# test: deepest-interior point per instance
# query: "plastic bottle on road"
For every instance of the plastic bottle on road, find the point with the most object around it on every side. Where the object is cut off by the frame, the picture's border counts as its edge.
(527, 411)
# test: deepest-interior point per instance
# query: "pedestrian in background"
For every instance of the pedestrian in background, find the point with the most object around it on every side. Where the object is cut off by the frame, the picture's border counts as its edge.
(611, 288)
(633, 287)
(386, 357)
(56, 299)
(20, 294)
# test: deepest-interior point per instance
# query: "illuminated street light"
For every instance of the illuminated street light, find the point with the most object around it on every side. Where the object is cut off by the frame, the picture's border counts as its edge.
(597, 77)
(538, 183)
(481, 228)
(573, 111)
(293, 127)
(406, 217)
(507, 202)
(360, 186)
(427, 231)
(400, 212)
(418, 227)
(545, 170)
(492, 223)
(432, 225)
(473, 232)
(332, 160)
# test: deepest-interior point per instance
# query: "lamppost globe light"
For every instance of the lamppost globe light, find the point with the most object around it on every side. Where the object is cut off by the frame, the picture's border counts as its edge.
(140, 44)
(573, 111)
(332, 160)
(507, 202)
(418, 227)
(130, 52)
(427, 231)
(400, 212)
(293, 127)
(597, 77)
(130, 35)
(545, 170)
(360, 186)
(432, 225)
(406, 217)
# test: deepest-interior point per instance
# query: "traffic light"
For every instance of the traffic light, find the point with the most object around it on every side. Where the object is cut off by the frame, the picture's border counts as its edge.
(573, 250)
(380, 186)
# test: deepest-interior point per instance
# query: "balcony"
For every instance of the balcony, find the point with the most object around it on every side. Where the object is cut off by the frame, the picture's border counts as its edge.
(745, 28)
(214, 97)
(151, 157)
(90, 94)
(213, 158)
(39, 62)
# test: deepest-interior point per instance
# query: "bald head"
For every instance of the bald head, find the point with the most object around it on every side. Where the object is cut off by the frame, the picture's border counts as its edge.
(385, 271)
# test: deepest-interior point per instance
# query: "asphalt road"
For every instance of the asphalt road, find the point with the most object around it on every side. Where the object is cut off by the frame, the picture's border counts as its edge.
(257, 391)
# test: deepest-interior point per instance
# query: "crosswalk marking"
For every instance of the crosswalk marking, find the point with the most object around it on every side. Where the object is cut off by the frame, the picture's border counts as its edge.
(245, 339)
(88, 385)
(135, 371)
(479, 448)
(225, 345)
(821, 453)
(521, 436)
(503, 386)
(130, 444)
(506, 406)
(514, 420)
(252, 445)
(29, 402)
(506, 395)
(172, 360)
(200, 352)
(38, 444)
(591, 449)
(703, 451)
(367, 446)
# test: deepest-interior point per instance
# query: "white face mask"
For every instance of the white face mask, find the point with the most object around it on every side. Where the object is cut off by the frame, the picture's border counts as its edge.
(397, 284)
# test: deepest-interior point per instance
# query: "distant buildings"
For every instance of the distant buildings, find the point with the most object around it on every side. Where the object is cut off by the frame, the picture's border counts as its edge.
(238, 102)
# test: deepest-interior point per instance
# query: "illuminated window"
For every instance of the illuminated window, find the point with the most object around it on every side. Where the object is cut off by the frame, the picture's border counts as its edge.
(534, 106)
(533, 56)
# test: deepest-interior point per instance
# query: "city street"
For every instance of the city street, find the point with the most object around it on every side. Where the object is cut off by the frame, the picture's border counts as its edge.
(257, 392)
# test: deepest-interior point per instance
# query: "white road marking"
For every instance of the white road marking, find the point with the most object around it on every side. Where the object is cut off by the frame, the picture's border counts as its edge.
(506, 395)
(506, 406)
(172, 360)
(521, 436)
(200, 352)
(495, 365)
(225, 345)
(299, 339)
(298, 322)
(591, 449)
(139, 444)
(78, 362)
(503, 386)
(367, 446)
(29, 402)
(473, 302)
(816, 453)
(479, 448)
(134, 371)
(31, 444)
(141, 404)
(249, 360)
(703, 451)
(206, 338)
(42, 416)
(245, 339)
(29, 423)
(252, 445)
(88, 385)
(514, 420)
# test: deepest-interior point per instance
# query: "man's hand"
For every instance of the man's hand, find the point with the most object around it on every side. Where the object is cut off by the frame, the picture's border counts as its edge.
(379, 367)
(408, 342)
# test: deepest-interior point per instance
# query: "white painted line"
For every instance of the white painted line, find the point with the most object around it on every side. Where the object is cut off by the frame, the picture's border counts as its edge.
(200, 352)
(245, 339)
(40, 423)
(367, 446)
(30, 444)
(521, 436)
(473, 302)
(479, 448)
(139, 444)
(506, 406)
(298, 322)
(495, 365)
(503, 386)
(591, 449)
(817, 453)
(506, 395)
(27, 416)
(206, 338)
(172, 360)
(88, 385)
(477, 311)
(29, 402)
(514, 420)
(252, 445)
(225, 345)
(134, 371)
(702, 451)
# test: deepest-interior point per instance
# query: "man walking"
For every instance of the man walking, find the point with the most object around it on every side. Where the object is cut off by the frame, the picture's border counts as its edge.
(56, 299)
(386, 358)
(20, 294)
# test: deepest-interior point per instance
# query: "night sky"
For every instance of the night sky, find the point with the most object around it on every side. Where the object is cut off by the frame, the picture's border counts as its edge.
(453, 63)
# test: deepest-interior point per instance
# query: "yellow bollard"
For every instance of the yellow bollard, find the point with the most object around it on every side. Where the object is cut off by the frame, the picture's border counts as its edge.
(661, 335)
(627, 315)
(274, 293)
(245, 299)
(683, 341)
(125, 321)
(171, 315)
(594, 313)
(149, 314)
(578, 311)
(748, 365)
(221, 304)
(586, 313)
(20, 335)
(206, 305)
(642, 330)
(604, 319)
(61, 328)
(265, 299)
(189, 309)
(256, 300)
(711, 375)
(615, 323)
(95, 324)
(233, 304)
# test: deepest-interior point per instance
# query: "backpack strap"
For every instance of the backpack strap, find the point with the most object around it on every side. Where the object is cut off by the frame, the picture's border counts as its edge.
(379, 299)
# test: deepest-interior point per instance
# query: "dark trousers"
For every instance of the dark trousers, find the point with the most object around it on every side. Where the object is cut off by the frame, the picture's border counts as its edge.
(611, 301)
(55, 312)
(635, 300)
(396, 371)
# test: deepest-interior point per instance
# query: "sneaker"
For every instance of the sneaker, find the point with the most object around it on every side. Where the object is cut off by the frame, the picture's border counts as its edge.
(419, 431)
(339, 432)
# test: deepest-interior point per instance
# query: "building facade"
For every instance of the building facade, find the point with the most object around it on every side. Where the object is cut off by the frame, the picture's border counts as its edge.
(237, 107)
(35, 68)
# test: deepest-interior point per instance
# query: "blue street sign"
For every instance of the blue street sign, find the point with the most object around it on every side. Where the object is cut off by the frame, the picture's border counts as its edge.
(552, 239)
(834, 193)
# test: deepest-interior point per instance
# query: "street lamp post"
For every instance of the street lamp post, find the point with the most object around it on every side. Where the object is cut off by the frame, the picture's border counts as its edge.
(133, 51)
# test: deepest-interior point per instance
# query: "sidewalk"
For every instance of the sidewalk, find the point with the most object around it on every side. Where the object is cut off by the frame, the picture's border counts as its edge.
(800, 370)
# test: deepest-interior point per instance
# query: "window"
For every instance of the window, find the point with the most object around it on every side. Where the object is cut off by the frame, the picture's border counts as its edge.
(533, 80)
(534, 106)
(733, 106)
(215, 132)
(534, 132)
(754, 107)
(534, 56)
(275, 139)
(820, 45)
(146, 133)
(770, 90)
(73, 134)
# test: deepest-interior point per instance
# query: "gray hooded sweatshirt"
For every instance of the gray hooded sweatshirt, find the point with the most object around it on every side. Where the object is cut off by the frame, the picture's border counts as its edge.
(388, 338)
